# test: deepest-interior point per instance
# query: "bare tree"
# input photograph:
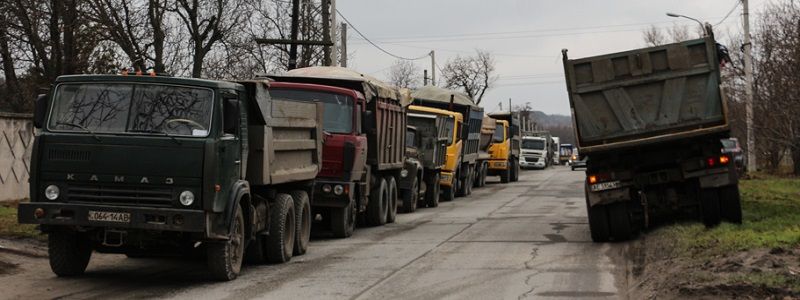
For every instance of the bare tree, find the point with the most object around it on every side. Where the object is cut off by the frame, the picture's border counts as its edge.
(653, 36)
(404, 74)
(472, 74)
(208, 21)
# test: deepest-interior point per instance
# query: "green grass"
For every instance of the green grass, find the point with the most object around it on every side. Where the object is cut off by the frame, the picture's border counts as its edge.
(9, 227)
(771, 210)
(768, 279)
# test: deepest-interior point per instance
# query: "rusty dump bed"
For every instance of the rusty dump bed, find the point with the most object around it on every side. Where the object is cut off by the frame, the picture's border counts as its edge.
(647, 95)
(385, 120)
(285, 137)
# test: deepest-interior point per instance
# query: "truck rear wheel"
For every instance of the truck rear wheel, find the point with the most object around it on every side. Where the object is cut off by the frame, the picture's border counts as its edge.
(391, 213)
(598, 221)
(343, 221)
(484, 174)
(432, 194)
(731, 204)
(302, 207)
(410, 198)
(281, 238)
(378, 205)
(505, 175)
(514, 166)
(69, 253)
(450, 191)
(709, 205)
(620, 221)
(225, 258)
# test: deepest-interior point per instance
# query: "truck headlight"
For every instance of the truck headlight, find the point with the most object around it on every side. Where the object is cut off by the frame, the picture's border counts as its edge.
(186, 198)
(326, 188)
(338, 189)
(51, 192)
(404, 173)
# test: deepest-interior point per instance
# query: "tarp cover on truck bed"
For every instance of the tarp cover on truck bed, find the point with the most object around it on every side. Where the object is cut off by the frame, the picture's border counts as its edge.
(646, 95)
(438, 94)
(342, 77)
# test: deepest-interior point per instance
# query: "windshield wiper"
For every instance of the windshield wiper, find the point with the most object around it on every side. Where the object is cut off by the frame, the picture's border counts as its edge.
(164, 133)
(81, 127)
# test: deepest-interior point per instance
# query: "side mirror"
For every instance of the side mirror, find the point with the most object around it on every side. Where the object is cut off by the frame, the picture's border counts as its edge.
(230, 118)
(40, 111)
(368, 121)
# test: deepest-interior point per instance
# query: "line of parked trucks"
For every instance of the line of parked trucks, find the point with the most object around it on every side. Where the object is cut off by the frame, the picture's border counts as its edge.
(238, 171)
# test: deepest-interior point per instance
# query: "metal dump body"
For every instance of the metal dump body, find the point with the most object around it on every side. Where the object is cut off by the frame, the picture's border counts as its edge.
(432, 136)
(488, 126)
(440, 98)
(646, 95)
(285, 138)
(384, 119)
(513, 128)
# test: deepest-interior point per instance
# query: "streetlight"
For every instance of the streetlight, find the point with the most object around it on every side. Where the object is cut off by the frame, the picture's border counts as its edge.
(674, 15)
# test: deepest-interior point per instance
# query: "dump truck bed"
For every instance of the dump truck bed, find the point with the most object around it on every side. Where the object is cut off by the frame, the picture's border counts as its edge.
(645, 96)
(435, 97)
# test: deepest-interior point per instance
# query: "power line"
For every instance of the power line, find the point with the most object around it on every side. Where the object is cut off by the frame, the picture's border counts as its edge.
(376, 45)
(738, 2)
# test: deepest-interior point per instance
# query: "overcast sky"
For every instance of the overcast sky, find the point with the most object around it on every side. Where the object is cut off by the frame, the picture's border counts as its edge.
(526, 37)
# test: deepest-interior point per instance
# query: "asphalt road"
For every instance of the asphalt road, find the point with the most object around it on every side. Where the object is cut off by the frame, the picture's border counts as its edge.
(527, 239)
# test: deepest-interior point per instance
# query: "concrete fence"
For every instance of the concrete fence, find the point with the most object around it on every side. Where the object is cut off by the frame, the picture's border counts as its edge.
(16, 142)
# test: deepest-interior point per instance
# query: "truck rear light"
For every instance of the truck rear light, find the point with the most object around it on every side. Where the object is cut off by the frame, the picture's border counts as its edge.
(600, 177)
(592, 179)
(717, 160)
(723, 159)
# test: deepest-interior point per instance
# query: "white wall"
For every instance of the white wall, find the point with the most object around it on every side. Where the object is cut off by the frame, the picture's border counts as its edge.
(16, 142)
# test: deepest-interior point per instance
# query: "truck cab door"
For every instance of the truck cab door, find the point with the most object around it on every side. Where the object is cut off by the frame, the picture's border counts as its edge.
(230, 144)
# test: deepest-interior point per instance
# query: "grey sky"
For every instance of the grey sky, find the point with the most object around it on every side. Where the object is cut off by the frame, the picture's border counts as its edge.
(525, 36)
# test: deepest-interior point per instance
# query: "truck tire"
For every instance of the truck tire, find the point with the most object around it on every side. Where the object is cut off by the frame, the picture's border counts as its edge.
(461, 187)
(343, 221)
(731, 204)
(514, 170)
(391, 213)
(620, 221)
(280, 241)
(69, 253)
(449, 193)
(506, 174)
(302, 236)
(476, 181)
(410, 198)
(709, 206)
(378, 205)
(467, 186)
(484, 174)
(225, 258)
(432, 195)
(598, 221)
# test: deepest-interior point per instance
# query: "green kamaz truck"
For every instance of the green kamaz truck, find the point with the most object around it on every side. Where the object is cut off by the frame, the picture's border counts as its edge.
(152, 165)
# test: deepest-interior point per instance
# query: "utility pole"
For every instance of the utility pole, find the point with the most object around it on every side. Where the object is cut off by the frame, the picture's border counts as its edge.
(433, 67)
(326, 32)
(509, 104)
(425, 77)
(752, 166)
(343, 52)
(295, 25)
(334, 31)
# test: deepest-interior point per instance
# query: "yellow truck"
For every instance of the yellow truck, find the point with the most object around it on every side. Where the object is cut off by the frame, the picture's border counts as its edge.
(504, 151)
(452, 126)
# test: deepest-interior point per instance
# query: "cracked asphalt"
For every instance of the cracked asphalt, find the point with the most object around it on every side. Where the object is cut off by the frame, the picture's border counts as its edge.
(528, 239)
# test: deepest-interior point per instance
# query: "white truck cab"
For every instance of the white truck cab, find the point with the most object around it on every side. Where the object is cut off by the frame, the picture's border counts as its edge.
(534, 152)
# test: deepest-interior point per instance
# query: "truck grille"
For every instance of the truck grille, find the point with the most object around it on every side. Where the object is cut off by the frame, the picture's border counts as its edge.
(120, 195)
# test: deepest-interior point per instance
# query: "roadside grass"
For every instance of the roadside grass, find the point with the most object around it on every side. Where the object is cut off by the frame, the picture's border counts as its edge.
(770, 209)
(9, 227)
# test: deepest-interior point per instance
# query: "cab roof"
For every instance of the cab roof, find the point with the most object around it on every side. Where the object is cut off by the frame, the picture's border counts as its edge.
(214, 84)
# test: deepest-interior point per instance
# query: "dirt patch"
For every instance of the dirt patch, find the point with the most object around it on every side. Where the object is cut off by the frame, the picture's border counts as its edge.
(653, 271)
(7, 268)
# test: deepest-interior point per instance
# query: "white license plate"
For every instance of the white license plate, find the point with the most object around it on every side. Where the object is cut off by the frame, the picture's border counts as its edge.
(109, 216)
(605, 186)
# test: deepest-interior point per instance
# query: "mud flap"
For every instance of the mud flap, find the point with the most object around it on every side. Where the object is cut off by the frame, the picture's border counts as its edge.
(610, 196)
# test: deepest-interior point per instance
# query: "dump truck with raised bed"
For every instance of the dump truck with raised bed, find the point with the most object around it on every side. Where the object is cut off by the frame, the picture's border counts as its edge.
(431, 132)
(152, 165)
(465, 165)
(649, 121)
(505, 150)
(364, 144)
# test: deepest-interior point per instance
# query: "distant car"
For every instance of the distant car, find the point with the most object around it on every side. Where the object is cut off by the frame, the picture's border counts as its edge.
(731, 147)
(577, 162)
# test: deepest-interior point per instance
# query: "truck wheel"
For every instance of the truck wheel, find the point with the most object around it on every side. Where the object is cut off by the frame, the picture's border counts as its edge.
(514, 170)
(469, 181)
(281, 238)
(598, 221)
(432, 195)
(410, 198)
(69, 253)
(391, 213)
(225, 258)
(709, 205)
(378, 205)
(620, 221)
(461, 188)
(343, 221)
(450, 192)
(731, 204)
(506, 174)
(302, 235)
(484, 174)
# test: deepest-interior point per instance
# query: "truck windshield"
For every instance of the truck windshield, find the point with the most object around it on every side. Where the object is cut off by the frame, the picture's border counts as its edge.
(338, 116)
(499, 134)
(132, 108)
(533, 144)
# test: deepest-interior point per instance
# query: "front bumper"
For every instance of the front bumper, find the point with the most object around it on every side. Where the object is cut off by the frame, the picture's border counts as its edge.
(498, 165)
(446, 179)
(68, 214)
(537, 164)
(330, 199)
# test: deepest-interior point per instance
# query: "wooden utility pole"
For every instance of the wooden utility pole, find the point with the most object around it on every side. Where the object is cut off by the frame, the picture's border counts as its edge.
(293, 42)
(334, 32)
(433, 67)
(752, 166)
(326, 32)
(425, 77)
(343, 51)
